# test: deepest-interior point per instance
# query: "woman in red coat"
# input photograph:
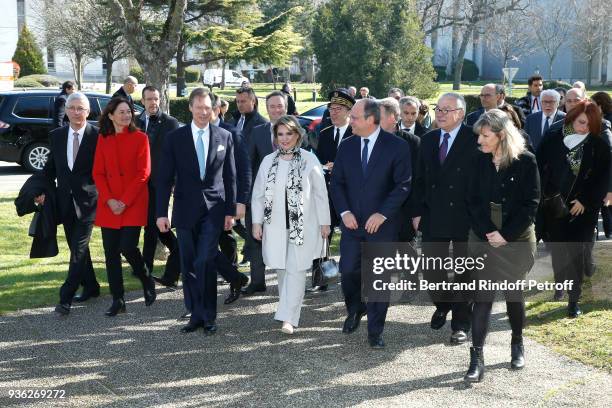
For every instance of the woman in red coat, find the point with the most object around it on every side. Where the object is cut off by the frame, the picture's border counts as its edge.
(121, 169)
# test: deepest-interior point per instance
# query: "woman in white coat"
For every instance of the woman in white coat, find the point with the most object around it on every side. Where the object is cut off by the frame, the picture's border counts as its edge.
(290, 212)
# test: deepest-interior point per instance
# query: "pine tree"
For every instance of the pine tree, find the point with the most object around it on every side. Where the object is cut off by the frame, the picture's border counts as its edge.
(28, 55)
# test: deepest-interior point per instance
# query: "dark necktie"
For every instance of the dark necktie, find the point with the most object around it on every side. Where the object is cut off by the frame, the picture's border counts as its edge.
(75, 147)
(443, 148)
(337, 138)
(546, 125)
(364, 156)
(536, 105)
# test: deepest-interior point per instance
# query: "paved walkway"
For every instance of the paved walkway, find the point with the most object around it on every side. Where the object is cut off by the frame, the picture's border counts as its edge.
(140, 359)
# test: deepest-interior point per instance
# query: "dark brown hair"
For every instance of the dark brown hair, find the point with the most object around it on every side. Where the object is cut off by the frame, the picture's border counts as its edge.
(592, 112)
(534, 78)
(106, 124)
(603, 100)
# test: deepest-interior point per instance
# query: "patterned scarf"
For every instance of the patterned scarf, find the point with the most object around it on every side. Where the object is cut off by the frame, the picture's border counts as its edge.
(295, 198)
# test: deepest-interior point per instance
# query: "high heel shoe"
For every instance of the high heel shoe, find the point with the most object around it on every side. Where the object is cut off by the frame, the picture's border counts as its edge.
(118, 306)
(476, 371)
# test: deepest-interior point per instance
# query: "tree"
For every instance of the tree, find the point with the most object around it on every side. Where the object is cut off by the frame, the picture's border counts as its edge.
(553, 29)
(153, 45)
(28, 55)
(372, 43)
(507, 38)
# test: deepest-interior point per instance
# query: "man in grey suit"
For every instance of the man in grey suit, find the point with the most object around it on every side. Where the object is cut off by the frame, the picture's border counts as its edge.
(537, 124)
(260, 145)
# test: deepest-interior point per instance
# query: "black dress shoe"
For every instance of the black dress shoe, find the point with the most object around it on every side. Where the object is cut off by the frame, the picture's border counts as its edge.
(235, 289)
(316, 289)
(458, 337)
(438, 319)
(573, 310)
(517, 352)
(62, 309)
(210, 328)
(184, 316)
(85, 296)
(165, 282)
(148, 286)
(118, 306)
(476, 370)
(352, 322)
(251, 290)
(191, 327)
(376, 342)
(558, 295)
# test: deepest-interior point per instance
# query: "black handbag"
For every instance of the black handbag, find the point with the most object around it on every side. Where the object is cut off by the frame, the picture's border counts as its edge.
(555, 206)
(326, 271)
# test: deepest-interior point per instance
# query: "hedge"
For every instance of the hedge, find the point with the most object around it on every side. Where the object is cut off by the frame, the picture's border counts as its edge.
(37, 81)
(179, 108)
(26, 82)
(557, 84)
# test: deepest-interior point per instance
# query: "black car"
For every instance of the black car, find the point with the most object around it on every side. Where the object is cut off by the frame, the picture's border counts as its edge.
(25, 122)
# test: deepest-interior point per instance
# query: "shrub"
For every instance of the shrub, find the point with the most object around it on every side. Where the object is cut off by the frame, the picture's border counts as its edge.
(295, 77)
(28, 55)
(470, 71)
(192, 75)
(179, 108)
(557, 84)
(440, 73)
(45, 80)
(137, 73)
(472, 102)
(27, 82)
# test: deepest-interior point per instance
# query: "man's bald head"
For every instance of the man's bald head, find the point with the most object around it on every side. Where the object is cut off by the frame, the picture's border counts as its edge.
(573, 97)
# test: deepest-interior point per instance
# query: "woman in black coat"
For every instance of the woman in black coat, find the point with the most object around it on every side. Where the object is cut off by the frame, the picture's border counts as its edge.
(503, 197)
(574, 163)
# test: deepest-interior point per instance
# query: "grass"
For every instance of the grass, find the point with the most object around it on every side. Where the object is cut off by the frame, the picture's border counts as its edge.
(587, 338)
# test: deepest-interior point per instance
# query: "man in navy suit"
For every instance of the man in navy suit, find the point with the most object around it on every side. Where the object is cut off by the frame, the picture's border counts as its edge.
(198, 160)
(370, 181)
(537, 124)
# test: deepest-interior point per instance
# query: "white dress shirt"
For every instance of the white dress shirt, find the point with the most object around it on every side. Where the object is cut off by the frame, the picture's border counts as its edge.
(342, 132)
(410, 129)
(550, 122)
(453, 135)
(538, 107)
(71, 132)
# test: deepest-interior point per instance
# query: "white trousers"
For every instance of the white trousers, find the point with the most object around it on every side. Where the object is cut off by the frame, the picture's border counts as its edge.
(291, 287)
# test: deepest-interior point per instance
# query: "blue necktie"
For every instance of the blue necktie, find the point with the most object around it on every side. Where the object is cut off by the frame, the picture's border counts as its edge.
(364, 156)
(201, 153)
(546, 125)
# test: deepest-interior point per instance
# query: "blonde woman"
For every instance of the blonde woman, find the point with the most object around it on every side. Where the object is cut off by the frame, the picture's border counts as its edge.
(290, 212)
(503, 197)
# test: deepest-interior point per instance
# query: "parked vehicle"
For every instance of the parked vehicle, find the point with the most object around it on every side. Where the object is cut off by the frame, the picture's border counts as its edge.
(25, 122)
(309, 120)
(212, 78)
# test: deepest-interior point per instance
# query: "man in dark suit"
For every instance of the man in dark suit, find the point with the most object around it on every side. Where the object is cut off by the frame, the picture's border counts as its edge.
(488, 100)
(370, 181)
(248, 117)
(157, 125)
(537, 124)
(260, 145)
(198, 160)
(128, 88)
(59, 106)
(531, 102)
(72, 155)
(409, 112)
(445, 160)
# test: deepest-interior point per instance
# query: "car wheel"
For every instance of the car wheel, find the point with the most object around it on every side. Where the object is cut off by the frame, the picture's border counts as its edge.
(35, 156)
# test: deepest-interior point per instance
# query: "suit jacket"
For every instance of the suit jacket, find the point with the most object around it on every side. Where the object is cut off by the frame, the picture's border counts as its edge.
(414, 142)
(259, 146)
(419, 130)
(244, 175)
(384, 187)
(533, 126)
(121, 170)
(473, 117)
(59, 111)
(520, 195)
(179, 168)
(74, 186)
(157, 131)
(251, 121)
(440, 194)
(122, 94)
(327, 147)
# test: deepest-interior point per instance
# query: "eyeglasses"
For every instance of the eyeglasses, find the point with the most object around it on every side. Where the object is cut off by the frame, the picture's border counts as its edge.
(486, 95)
(77, 109)
(445, 111)
(337, 109)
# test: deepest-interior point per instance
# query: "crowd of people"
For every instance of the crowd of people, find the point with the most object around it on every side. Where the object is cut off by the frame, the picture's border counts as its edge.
(382, 170)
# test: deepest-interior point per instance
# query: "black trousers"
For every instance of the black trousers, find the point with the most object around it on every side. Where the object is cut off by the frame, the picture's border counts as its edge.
(117, 242)
(254, 253)
(229, 246)
(80, 268)
(168, 239)
(481, 314)
(445, 301)
(606, 220)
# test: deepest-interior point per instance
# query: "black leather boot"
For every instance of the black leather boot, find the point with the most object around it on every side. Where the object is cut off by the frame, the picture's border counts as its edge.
(517, 353)
(476, 370)
(148, 287)
(118, 306)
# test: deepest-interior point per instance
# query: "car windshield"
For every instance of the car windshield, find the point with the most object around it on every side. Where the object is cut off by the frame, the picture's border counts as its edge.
(318, 111)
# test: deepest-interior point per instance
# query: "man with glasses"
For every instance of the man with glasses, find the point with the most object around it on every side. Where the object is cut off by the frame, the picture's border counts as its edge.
(489, 99)
(70, 163)
(537, 124)
(440, 206)
(128, 88)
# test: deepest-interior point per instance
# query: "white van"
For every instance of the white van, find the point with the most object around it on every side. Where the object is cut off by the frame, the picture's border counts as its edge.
(212, 78)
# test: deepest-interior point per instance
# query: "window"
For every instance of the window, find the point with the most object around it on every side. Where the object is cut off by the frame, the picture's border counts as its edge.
(236, 75)
(36, 107)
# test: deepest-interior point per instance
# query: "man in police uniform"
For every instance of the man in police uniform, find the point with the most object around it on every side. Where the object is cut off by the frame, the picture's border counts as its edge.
(340, 105)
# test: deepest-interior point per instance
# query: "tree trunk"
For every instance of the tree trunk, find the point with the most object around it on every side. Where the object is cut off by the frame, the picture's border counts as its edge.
(109, 70)
(157, 75)
(74, 72)
(459, 63)
(78, 67)
(222, 86)
(551, 59)
(181, 86)
(604, 57)
(589, 71)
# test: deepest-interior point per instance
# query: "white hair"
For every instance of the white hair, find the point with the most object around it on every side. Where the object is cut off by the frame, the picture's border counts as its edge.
(553, 93)
(460, 100)
(77, 96)
(390, 106)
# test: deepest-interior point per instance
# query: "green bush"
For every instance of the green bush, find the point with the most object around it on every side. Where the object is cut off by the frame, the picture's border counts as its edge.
(137, 73)
(179, 108)
(440, 72)
(27, 82)
(28, 55)
(295, 77)
(45, 80)
(470, 71)
(192, 75)
(557, 84)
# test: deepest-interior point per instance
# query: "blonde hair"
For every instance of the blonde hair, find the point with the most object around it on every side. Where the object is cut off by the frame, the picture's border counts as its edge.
(512, 145)
(291, 123)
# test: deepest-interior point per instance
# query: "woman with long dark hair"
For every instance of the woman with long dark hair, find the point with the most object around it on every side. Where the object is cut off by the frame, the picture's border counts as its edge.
(574, 164)
(121, 169)
(503, 196)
